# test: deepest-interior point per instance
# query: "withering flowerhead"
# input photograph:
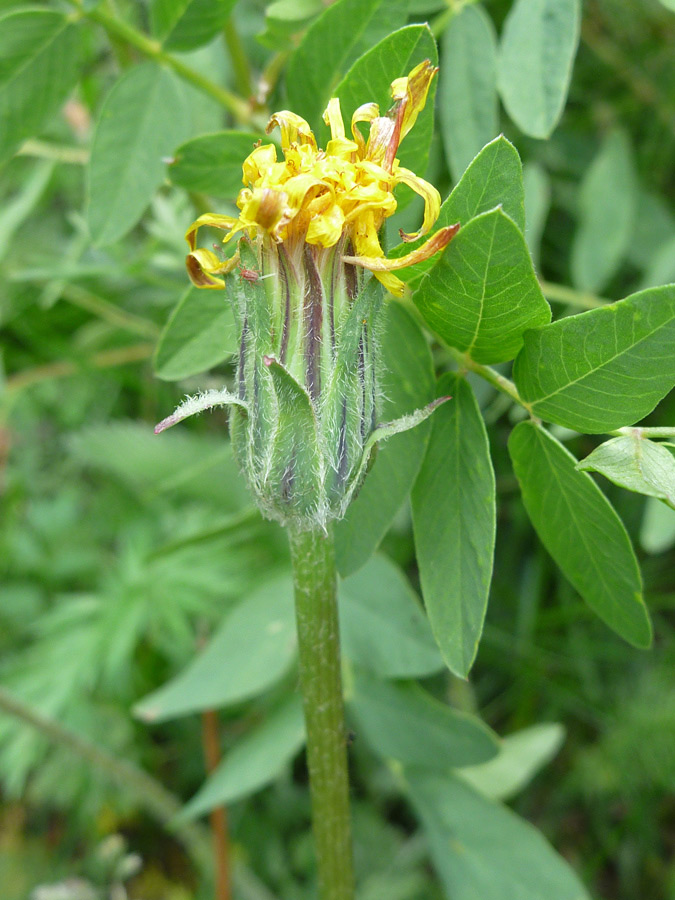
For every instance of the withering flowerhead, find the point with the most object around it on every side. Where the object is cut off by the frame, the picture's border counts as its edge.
(323, 197)
(304, 418)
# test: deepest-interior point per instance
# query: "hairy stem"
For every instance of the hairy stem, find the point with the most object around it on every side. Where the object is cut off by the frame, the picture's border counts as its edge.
(313, 557)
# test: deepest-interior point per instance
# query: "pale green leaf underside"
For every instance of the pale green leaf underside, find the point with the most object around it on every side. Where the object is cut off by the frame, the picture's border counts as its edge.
(40, 53)
(636, 464)
(537, 52)
(200, 333)
(602, 369)
(483, 850)
(608, 202)
(468, 93)
(454, 517)
(254, 761)
(484, 294)
(582, 532)
(394, 717)
(253, 648)
(383, 626)
(141, 122)
(521, 755)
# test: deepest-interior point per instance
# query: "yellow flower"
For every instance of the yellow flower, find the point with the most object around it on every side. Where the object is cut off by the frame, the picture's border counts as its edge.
(320, 197)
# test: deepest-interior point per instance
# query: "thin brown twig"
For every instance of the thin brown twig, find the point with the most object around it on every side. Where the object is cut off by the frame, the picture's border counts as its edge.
(218, 816)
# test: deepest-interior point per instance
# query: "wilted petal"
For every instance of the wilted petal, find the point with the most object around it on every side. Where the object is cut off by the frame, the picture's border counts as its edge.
(431, 197)
(225, 223)
(204, 265)
(294, 129)
(333, 118)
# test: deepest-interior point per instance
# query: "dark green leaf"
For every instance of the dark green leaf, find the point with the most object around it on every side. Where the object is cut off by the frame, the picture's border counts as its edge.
(484, 293)
(608, 202)
(212, 163)
(187, 24)
(200, 333)
(383, 625)
(537, 52)
(454, 515)
(604, 368)
(40, 53)
(253, 648)
(483, 850)
(141, 121)
(407, 384)
(494, 178)
(636, 464)
(403, 722)
(580, 529)
(344, 31)
(254, 761)
(468, 91)
(369, 79)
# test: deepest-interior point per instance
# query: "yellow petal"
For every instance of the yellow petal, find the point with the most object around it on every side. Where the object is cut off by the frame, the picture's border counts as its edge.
(365, 113)
(381, 264)
(333, 118)
(262, 206)
(326, 229)
(294, 129)
(258, 163)
(432, 200)
(382, 134)
(203, 265)
(226, 223)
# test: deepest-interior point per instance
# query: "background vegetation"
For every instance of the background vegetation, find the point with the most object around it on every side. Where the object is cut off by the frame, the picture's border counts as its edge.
(121, 553)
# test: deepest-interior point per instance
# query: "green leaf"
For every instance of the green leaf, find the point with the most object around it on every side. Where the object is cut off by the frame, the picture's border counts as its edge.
(520, 757)
(636, 464)
(483, 850)
(607, 204)
(601, 369)
(253, 762)
(140, 123)
(582, 532)
(494, 178)
(383, 626)
(404, 723)
(40, 62)
(484, 293)
(343, 32)
(370, 78)
(535, 62)
(200, 333)
(212, 163)
(187, 24)
(454, 516)
(468, 91)
(406, 383)
(253, 648)
(537, 205)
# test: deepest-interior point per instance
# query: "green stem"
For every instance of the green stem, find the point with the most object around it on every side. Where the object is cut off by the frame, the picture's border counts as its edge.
(503, 384)
(74, 155)
(239, 59)
(655, 431)
(313, 557)
(563, 294)
(118, 28)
